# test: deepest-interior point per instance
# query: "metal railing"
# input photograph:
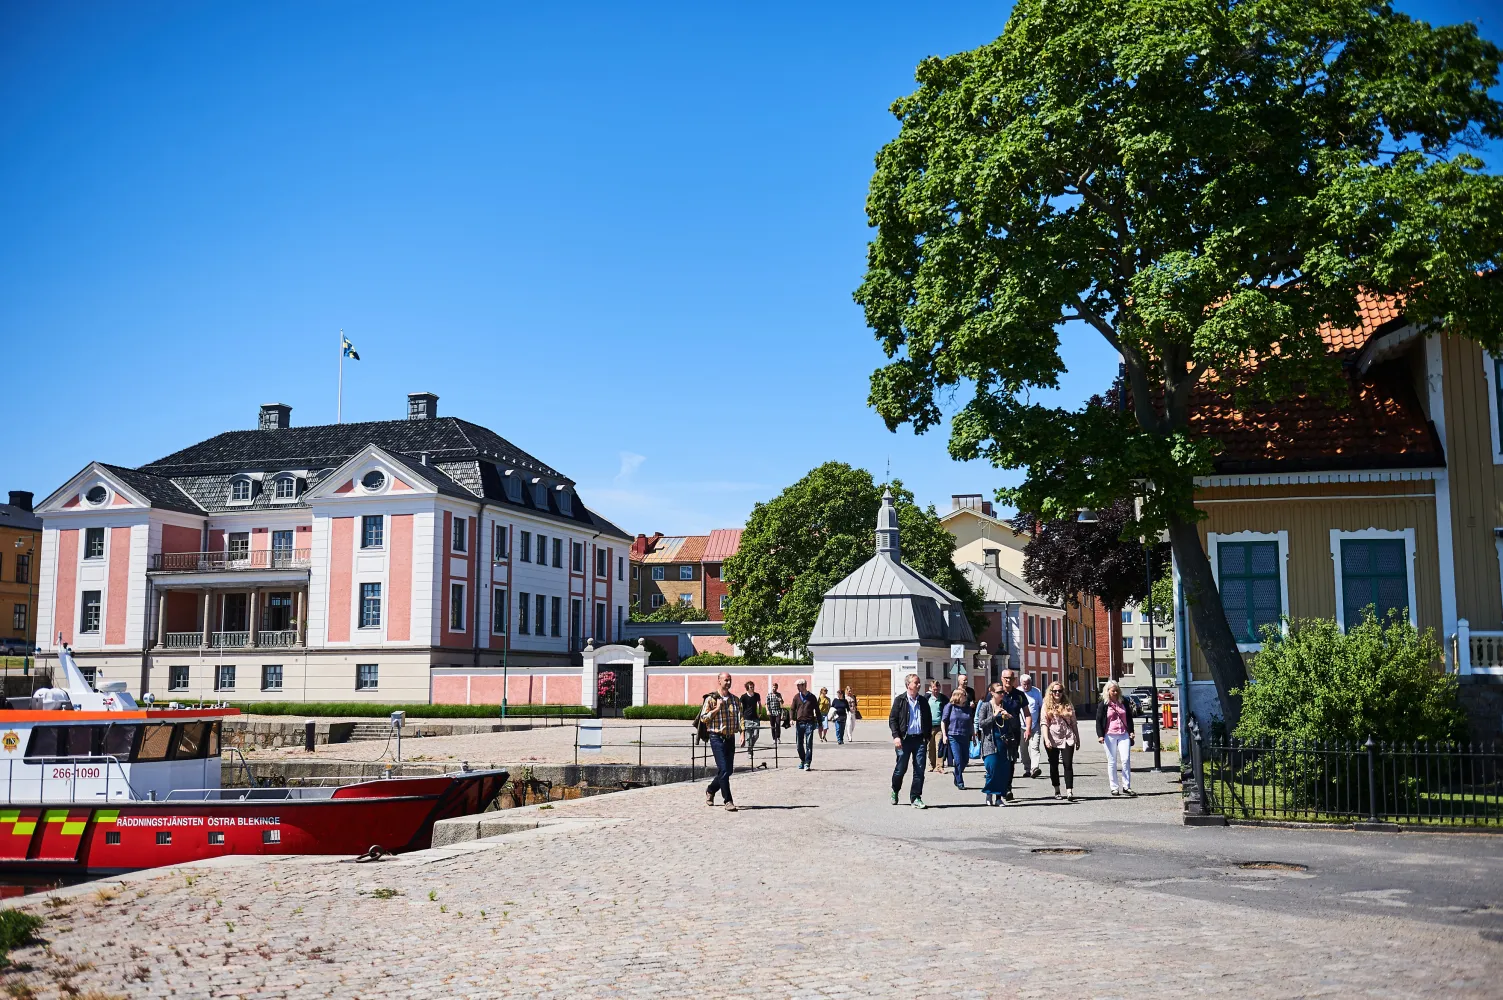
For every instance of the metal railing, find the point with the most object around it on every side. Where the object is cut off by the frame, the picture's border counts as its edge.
(280, 639)
(700, 758)
(109, 763)
(230, 560)
(1445, 784)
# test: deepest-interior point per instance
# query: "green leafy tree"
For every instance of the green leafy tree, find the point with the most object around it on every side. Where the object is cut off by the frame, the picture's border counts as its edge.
(1375, 680)
(811, 536)
(671, 611)
(1201, 185)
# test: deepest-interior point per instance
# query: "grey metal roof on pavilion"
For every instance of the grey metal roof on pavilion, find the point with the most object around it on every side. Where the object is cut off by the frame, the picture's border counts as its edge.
(884, 601)
(1001, 587)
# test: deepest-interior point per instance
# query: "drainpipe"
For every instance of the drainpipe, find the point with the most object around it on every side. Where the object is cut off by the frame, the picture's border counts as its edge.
(475, 611)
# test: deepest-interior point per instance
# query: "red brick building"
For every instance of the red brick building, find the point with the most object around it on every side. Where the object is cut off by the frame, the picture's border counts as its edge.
(682, 569)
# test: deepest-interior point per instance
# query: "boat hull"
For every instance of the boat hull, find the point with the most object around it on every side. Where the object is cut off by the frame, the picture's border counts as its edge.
(395, 814)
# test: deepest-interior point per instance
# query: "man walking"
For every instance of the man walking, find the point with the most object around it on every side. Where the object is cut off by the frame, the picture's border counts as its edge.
(751, 716)
(805, 718)
(937, 737)
(721, 715)
(1032, 750)
(1015, 703)
(910, 724)
(775, 711)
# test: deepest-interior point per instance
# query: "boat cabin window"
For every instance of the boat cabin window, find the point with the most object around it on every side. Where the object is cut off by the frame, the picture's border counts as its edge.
(81, 741)
(184, 741)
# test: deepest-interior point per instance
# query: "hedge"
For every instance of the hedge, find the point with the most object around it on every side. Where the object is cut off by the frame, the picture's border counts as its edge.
(725, 660)
(365, 709)
(687, 713)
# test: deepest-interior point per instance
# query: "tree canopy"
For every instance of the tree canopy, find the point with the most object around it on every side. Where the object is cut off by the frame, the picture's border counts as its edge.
(811, 536)
(1202, 183)
(1067, 557)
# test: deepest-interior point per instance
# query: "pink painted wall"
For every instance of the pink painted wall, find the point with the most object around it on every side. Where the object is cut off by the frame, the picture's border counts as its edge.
(562, 690)
(524, 690)
(260, 540)
(119, 501)
(665, 690)
(712, 644)
(65, 599)
(485, 689)
(399, 577)
(449, 689)
(119, 571)
(340, 570)
(458, 569)
(176, 538)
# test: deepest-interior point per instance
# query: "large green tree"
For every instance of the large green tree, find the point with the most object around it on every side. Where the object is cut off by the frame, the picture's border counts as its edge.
(1201, 183)
(811, 536)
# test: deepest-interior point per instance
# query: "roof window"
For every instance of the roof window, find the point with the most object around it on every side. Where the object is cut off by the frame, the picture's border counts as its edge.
(373, 480)
(540, 494)
(513, 481)
(97, 495)
(285, 490)
(241, 489)
(565, 501)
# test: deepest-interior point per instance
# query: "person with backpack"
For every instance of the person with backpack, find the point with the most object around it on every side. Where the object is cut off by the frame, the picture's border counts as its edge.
(720, 721)
(1114, 719)
(805, 713)
(959, 726)
(1017, 705)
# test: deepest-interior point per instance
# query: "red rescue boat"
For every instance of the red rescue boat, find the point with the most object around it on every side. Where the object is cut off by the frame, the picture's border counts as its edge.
(96, 783)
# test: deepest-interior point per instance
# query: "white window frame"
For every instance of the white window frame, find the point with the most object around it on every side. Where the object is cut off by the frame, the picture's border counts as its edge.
(250, 492)
(276, 489)
(220, 675)
(656, 601)
(359, 686)
(686, 600)
(1489, 371)
(1213, 545)
(685, 573)
(187, 677)
(657, 572)
(1407, 534)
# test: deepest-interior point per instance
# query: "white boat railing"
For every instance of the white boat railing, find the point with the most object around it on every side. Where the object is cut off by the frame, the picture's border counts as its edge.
(278, 794)
(47, 788)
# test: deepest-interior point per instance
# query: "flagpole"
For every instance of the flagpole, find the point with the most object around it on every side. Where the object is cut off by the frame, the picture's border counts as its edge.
(339, 397)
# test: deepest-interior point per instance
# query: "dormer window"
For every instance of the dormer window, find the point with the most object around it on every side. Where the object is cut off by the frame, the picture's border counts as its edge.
(240, 490)
(373, 480)
(540, 494)
(565, 502)
(286, 488)
(513, 485)
(97, 495)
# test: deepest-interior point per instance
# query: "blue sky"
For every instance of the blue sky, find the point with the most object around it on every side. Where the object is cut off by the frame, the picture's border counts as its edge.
(625, 240)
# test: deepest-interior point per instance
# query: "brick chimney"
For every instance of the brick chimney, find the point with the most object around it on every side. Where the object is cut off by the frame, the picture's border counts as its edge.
(422, 406)
(991, 563)
(21, 499)
(274, 417)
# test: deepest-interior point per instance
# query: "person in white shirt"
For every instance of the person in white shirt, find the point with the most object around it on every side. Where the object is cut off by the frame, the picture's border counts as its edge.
(910, 724)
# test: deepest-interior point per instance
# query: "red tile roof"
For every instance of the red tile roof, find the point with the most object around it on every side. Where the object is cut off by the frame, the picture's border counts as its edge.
(1382, 424)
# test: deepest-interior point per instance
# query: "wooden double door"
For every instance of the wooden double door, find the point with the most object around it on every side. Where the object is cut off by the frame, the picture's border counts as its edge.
(873, 690)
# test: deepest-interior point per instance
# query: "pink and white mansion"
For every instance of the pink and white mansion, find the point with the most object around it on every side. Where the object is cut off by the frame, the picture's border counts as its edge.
(390, 561)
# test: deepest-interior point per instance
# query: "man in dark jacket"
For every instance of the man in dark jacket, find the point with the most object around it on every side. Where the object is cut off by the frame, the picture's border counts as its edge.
(910, 724)
(1016, 703)
(805, 712)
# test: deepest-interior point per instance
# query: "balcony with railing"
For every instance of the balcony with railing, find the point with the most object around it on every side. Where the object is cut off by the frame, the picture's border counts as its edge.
(231, 560)
(278, 639)
(1475, 651)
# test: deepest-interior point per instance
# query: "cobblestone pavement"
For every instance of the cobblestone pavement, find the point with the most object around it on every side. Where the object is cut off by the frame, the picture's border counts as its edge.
(816, 888)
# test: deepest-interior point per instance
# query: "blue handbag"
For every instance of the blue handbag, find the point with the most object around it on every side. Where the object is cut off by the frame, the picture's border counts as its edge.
(975, 750)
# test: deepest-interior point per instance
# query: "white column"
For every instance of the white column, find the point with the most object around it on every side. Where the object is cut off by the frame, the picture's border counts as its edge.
(587, 676)
(208, 616)
(255, 616)
(639, 673)
(161, 618)
(1463, 646)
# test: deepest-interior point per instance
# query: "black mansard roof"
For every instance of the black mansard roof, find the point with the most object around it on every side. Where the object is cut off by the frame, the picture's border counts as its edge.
(463, 460)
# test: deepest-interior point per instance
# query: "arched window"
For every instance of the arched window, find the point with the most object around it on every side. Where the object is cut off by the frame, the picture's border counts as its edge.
(240, 490)
(286, 488)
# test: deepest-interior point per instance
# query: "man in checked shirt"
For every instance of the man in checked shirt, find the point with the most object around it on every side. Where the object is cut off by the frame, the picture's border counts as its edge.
(721, 715)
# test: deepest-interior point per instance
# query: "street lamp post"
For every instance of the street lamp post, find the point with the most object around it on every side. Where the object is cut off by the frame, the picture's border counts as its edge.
(1153, 679)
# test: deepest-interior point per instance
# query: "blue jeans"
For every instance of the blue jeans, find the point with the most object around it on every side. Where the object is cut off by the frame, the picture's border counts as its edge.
(804, 731)
(724, 749)
(911, 750)
(960, 756)
(839, 730)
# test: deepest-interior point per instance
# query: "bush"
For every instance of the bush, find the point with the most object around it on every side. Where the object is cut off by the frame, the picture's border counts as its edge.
(688, 713)
(1376, 680)
(17, 927)
(724, 660)
(362, 709)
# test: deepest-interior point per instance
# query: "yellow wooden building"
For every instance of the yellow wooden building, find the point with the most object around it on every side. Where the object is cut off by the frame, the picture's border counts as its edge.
(20, 546)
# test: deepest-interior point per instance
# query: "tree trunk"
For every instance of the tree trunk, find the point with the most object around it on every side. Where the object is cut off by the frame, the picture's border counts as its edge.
(1211, 630)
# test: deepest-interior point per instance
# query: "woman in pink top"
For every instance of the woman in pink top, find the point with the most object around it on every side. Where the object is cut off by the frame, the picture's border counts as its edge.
(1114, 718)
(1061, 737)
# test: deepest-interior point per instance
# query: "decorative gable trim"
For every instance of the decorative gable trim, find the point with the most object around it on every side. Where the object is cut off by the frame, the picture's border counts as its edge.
(72, 496)
(1308, 478)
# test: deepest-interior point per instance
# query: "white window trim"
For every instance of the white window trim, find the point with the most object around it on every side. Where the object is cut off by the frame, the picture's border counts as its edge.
(1213, 543)
(230, 500)
(1489, 371)
(1407, 534)
(277, 482)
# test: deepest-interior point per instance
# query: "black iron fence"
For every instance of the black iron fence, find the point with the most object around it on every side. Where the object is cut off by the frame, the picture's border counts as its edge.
(1440, 784)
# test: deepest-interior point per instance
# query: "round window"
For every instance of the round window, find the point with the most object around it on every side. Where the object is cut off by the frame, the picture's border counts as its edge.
(373, 480)
(96, 495)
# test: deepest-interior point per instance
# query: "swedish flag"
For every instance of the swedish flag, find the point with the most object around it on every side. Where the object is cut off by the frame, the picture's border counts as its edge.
(349, 349)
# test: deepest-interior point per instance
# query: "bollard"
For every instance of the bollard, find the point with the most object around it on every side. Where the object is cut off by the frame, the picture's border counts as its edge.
(308, 736)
